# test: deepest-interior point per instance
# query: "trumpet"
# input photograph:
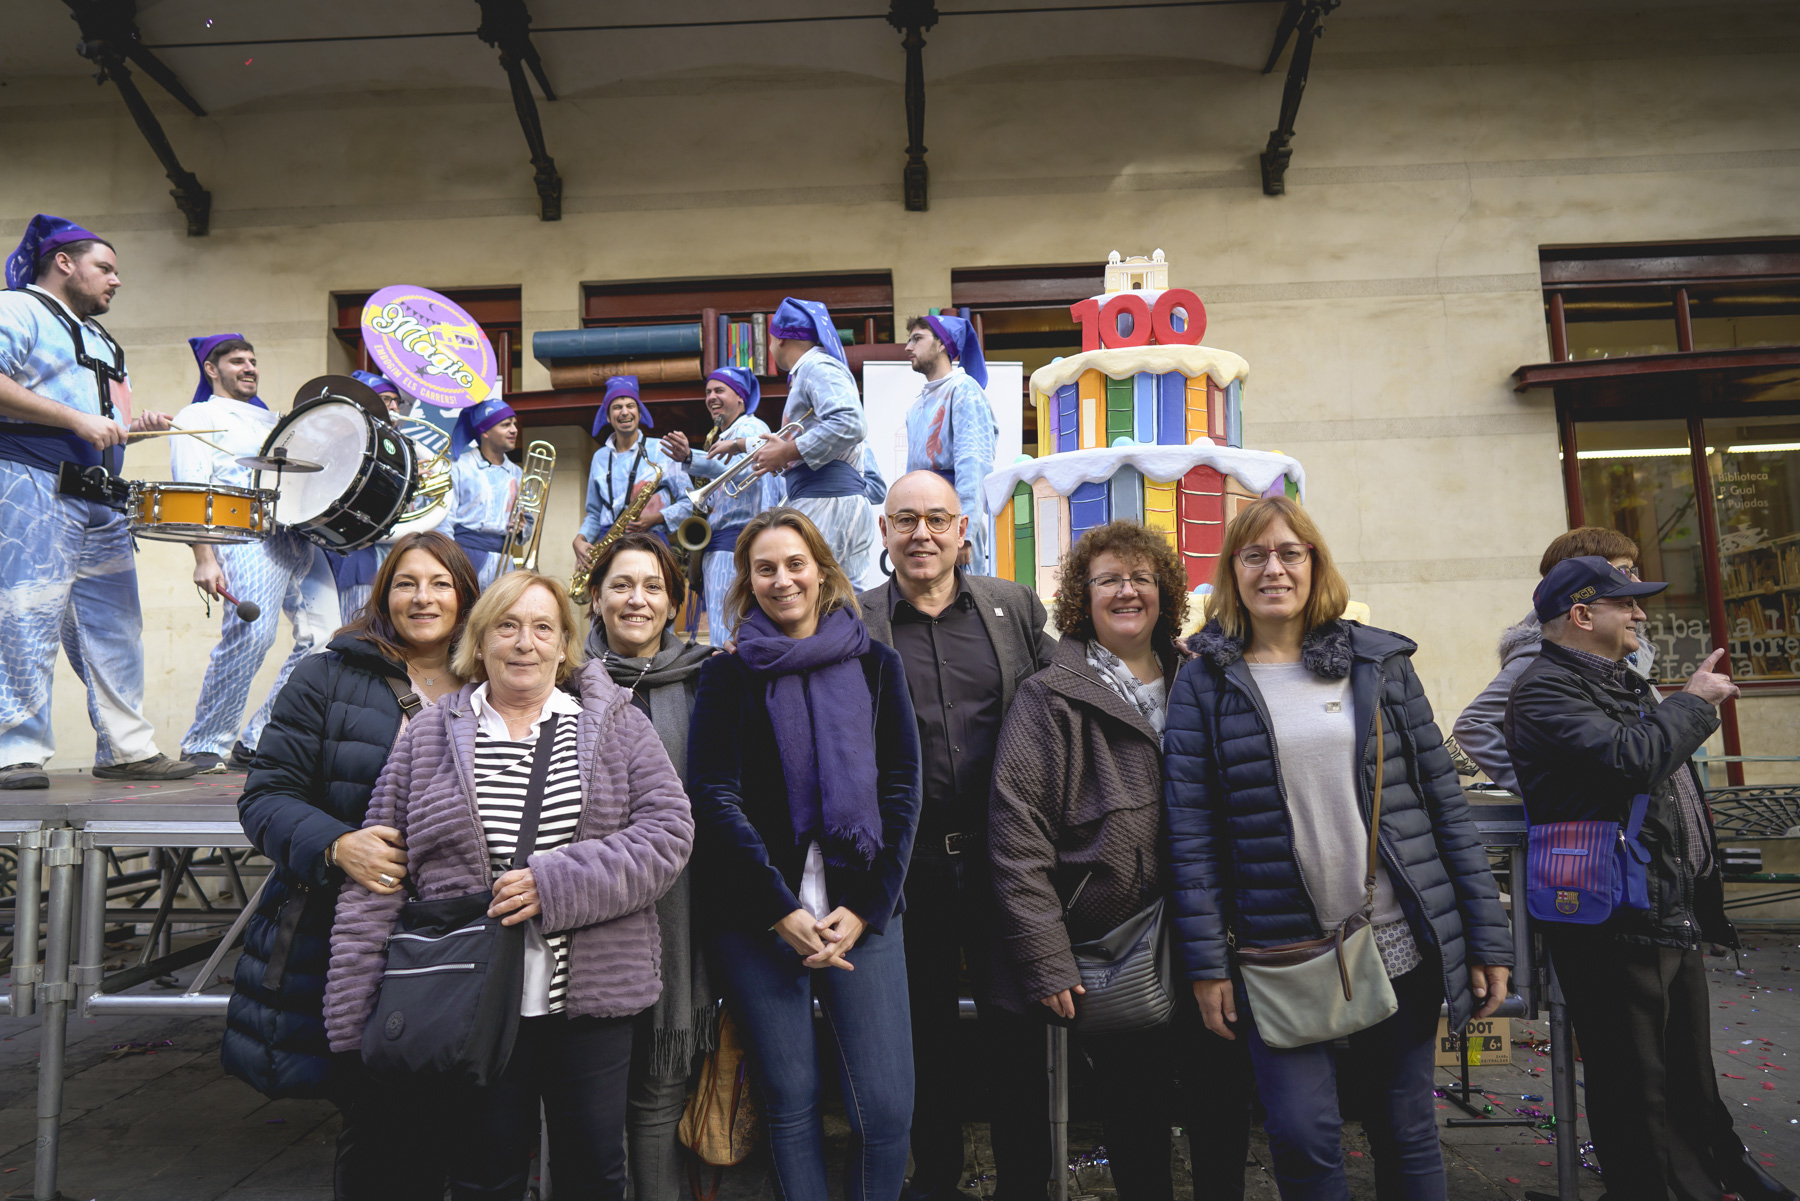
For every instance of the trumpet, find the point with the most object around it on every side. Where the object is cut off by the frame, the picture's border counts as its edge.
(525, 529)
(695, 531)
(580, 581)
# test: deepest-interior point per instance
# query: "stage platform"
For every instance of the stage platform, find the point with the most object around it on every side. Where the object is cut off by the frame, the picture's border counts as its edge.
(75, 798)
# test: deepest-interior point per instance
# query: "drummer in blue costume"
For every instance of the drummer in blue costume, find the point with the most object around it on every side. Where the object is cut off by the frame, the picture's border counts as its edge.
(67, 575)
(824, 465)
(950, 429)
(356, 570)
(732, 394)
(486, 484)
(623, 461)
(283, 573)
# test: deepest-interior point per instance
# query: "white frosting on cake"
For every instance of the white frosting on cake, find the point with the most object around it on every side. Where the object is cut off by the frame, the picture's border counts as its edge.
(1223, 366)
(1256, 470)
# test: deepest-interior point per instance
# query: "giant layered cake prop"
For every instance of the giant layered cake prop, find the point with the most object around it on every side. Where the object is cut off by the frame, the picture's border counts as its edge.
(1145, 423)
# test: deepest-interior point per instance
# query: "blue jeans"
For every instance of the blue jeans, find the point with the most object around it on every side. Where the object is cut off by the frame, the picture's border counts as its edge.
(870, 1028)
(1391, 1063)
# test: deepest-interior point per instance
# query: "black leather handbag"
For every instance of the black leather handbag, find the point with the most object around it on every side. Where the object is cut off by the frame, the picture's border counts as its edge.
(448, 1009)
(1128, 972)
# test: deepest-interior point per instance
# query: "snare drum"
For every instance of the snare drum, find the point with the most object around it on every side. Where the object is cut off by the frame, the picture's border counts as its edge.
(199, 512)
(370, 472)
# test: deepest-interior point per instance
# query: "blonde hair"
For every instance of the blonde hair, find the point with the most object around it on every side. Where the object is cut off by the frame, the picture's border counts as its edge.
(835, 589)
(1330, 591)
(500, 596)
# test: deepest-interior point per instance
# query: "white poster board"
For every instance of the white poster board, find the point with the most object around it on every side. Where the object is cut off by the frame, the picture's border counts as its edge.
(889, 389)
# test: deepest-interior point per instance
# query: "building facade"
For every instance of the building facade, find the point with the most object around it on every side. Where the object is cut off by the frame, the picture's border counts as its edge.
(1384, 302)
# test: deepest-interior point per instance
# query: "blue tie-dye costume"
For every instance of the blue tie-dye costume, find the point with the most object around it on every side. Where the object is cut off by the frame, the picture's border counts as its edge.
(728, 514)
(67, 576)
(951, 430)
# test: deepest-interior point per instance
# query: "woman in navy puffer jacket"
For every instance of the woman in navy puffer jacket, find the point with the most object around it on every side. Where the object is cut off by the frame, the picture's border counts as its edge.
(1269, 765)
(303, 806)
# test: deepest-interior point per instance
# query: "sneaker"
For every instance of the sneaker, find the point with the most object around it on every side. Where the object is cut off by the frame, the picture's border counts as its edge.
(241, 757)
(23, 775)
(156, 767)
(208, 763)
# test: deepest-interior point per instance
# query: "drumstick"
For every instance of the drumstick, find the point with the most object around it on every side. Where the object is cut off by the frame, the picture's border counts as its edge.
(166, 433)
(246, 610)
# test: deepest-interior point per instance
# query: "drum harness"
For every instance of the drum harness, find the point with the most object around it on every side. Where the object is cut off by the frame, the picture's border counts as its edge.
(100, 484)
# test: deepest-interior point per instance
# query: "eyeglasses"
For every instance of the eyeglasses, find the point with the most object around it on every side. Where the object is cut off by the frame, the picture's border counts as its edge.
(937, 521)
(1291, 554)
(1142, 581)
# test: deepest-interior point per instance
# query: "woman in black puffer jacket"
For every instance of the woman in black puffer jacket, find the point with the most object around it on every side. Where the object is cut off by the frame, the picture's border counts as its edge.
(1269, 769)
(316, 764)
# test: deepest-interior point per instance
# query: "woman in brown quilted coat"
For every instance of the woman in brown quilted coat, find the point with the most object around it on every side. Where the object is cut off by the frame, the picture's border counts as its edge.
(1074, 829)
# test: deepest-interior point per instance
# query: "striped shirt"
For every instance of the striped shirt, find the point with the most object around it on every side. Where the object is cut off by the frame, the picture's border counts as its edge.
(502, 774)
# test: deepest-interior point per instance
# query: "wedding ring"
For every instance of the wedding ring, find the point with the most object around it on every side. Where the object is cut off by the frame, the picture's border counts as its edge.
(386, 881)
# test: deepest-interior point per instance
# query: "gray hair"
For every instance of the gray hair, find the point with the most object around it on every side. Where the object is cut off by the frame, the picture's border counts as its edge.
(1557, 629)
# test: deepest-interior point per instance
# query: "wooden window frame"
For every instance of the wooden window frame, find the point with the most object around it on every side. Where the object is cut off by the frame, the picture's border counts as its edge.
(1689, 385)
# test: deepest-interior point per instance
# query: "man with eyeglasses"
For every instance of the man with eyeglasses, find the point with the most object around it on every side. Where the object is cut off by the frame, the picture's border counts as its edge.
(1587, 737)
(967, 641)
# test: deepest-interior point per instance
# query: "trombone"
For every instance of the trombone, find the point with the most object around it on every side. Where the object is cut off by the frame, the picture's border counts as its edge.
(526, 528)
(695, 531)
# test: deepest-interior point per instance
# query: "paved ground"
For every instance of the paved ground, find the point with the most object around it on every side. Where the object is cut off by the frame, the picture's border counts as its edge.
(150, 1117)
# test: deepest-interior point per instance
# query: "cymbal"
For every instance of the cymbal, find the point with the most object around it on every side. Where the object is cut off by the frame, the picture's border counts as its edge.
(277, 460)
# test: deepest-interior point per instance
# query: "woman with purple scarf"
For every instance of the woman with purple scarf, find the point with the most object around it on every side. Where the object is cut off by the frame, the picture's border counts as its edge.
(804, 775)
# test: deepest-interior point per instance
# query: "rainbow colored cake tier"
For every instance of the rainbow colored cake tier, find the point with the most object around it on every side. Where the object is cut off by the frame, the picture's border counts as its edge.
(1146, 424)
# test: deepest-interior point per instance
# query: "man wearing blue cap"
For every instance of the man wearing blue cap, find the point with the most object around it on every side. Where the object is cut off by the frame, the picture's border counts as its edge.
(950, 429)
(283, 573)
(486, 484)
(67, 574)
(732, 394)
(623, 462)
(824, 465)
(1591, 741)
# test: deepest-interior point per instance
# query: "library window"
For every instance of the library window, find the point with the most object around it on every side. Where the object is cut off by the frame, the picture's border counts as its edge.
(1022, 314)
(672, 333)
(1676, 372)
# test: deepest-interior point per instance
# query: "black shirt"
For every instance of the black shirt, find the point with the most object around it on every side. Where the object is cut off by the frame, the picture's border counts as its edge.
(953, 675)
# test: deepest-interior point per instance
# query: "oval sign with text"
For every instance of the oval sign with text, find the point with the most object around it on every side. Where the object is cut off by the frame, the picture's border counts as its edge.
(429, 346)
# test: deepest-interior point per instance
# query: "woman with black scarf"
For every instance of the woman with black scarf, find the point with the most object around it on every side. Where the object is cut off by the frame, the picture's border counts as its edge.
(638, 589)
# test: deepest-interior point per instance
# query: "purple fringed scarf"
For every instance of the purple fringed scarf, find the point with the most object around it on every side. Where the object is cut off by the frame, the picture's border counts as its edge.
(824, 723)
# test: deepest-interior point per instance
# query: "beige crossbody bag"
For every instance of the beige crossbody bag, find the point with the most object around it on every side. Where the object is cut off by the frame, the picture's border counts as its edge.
(1325, 988)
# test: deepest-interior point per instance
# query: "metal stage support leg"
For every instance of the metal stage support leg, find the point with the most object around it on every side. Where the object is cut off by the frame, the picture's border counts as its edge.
(90, 957)
(1562, 1082)
(1056, 1043)
(60, 859)
(28, 911)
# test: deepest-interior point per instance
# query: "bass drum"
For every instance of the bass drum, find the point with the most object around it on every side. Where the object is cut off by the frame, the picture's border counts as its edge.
(370, 473)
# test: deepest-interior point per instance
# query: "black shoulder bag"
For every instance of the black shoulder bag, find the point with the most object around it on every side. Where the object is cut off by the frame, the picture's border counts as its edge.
(448, 1009)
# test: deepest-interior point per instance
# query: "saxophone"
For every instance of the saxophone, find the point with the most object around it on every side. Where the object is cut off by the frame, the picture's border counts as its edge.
(579, 582)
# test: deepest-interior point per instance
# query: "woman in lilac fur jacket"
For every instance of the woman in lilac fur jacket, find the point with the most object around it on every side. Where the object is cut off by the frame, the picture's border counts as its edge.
(614, 833)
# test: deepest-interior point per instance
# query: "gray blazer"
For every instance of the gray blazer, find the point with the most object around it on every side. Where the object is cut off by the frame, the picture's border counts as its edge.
(1012, 613)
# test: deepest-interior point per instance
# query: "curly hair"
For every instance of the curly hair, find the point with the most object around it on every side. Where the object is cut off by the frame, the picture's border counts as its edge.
(1132, 542)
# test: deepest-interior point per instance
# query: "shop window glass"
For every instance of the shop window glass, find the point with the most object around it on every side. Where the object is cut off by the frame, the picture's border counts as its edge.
(1755, 469)
(1637, 477)
(1613, 323)
(1727, 317)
